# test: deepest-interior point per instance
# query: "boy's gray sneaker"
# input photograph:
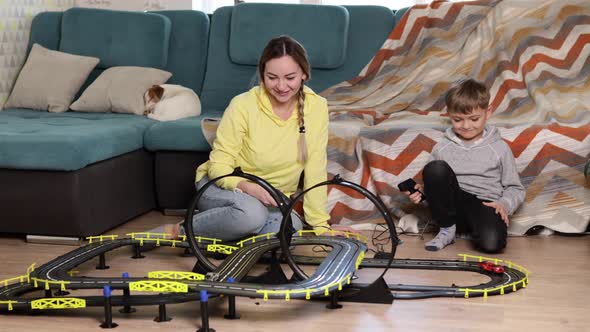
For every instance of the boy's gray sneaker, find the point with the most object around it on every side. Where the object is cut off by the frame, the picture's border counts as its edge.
(445, 236)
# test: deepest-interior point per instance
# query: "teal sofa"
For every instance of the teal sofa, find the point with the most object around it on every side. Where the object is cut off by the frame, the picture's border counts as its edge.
(80, 174)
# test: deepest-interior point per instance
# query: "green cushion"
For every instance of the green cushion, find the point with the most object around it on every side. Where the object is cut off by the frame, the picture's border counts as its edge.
(187, 46)
(46, 30)
(224, 79)
(400, 13)
(66, 141)
(180, 135)
(254, 24)
(124, 38)
(189, 40)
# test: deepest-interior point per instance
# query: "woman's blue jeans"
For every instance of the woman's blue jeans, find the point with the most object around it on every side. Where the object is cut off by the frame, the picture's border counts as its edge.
(232, 215)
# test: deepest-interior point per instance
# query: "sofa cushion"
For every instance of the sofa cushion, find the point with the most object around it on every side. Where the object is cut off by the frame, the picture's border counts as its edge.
(189, 42)
(123, 39)
(225, 79)
(254, 24)
(399, 14)
(66, 141)
(120, 90)
(49, 80)
(45, 30)
(180, 135)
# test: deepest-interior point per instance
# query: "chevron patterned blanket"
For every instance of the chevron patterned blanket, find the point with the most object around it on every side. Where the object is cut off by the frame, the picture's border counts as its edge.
(534, 56)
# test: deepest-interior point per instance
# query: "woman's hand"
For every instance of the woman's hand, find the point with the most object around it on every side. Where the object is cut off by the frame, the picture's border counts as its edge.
(416, 197)
(499, 210)
(256, 191)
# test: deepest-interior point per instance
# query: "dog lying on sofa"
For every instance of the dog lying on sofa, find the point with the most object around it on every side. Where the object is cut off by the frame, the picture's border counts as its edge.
(168, 102)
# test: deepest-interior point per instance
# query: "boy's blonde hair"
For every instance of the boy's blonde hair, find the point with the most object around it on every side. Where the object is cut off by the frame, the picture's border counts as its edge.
(467, 96)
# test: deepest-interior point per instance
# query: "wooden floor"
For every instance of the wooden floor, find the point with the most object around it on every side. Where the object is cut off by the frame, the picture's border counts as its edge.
(557, 298)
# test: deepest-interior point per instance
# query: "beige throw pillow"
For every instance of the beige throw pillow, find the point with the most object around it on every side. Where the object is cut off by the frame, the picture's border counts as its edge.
(120, 90)
(49, 80)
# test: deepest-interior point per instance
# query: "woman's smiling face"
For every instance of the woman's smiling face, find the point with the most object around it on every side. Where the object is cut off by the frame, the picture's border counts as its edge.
(283, 78)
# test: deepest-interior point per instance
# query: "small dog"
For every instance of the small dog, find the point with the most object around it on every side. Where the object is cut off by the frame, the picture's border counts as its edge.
(168, 102)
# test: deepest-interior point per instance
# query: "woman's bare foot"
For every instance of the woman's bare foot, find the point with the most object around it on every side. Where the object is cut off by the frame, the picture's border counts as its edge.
(341, 230)
(173, 230)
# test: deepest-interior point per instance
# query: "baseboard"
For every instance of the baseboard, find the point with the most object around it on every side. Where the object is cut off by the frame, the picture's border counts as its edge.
(61, 240)
(176, 212)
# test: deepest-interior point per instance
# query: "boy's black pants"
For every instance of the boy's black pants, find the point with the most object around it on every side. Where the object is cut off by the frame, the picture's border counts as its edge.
(450, 205)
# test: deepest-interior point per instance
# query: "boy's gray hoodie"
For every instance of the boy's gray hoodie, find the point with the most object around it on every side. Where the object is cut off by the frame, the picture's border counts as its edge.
(486, 168)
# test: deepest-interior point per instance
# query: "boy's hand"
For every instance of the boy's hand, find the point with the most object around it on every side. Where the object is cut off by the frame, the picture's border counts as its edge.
(416, 197)
(257, 192)
(499, 210)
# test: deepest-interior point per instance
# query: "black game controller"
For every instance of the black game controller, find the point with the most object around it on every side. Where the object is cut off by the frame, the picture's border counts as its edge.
(409, 185)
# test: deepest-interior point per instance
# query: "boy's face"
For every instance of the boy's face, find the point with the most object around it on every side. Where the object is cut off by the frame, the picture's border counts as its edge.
(469, 127)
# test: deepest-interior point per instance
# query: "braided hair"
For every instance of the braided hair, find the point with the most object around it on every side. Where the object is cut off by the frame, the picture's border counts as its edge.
(279, 47)
(301, 143)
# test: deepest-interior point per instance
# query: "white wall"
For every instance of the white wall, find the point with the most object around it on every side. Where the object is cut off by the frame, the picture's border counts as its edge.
(15, 26)
(136, 4)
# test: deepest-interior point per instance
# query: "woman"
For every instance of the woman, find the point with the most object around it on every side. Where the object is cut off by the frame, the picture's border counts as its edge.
(276, 131)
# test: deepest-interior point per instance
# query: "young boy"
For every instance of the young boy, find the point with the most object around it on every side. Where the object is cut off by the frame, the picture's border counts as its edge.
(471, 183)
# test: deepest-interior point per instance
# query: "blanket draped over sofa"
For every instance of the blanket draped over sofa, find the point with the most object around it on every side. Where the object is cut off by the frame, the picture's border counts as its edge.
(534, 57)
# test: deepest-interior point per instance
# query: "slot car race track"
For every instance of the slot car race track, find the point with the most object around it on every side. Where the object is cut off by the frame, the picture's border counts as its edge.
(333, 273)
(332, 279)
(512, 278)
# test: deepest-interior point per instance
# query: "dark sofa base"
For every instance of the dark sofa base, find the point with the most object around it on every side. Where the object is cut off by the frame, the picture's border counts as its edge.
(175, 177)
(80, 203)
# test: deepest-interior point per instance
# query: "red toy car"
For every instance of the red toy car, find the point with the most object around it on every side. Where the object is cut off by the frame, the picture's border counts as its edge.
(490, 266)
(498, 269)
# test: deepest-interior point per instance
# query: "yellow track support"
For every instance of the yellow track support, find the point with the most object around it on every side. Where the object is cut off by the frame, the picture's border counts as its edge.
(254, 238)
(148, 235)
(31, 268)
(485, 291)
(348, 235)
(19, 279)
(221, 248)
(158, 286)
(157, 240)
(58, 303)
(287, 292)
(101, 238)
(201, 238)
(9, 303)
(153, 237)
(359, 260)
(346, 279)
(496, 261)
(178, 275)
(62, 284)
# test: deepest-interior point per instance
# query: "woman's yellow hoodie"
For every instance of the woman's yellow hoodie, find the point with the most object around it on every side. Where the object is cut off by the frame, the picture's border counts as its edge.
(254, 138)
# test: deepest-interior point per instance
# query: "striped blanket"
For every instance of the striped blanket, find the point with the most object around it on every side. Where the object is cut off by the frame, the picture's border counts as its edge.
(534, 56)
